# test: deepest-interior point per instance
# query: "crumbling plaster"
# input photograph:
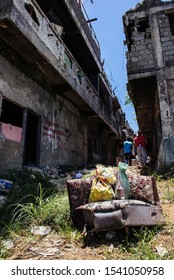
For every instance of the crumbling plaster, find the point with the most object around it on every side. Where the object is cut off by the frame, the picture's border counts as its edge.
(62, 123)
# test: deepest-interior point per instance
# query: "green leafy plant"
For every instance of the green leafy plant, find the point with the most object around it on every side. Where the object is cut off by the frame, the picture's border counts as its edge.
(128, 100)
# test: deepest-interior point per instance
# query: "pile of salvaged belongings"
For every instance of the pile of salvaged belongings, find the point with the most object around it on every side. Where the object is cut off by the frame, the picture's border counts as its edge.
(125, 200)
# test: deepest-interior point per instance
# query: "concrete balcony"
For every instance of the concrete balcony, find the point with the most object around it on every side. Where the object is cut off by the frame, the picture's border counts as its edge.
(80, 15)
(25, 29)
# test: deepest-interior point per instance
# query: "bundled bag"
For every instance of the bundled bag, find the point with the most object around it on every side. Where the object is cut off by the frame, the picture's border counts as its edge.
(101, 190)
(123, 185)
(107, 174)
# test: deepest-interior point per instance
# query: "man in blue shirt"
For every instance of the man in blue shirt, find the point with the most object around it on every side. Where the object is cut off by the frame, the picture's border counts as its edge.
(127, 145)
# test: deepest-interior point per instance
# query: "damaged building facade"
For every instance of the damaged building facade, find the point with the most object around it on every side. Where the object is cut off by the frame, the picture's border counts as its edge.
(149, 31)
(56, 104)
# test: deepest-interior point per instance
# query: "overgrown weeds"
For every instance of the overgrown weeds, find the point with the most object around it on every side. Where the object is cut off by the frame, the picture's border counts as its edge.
(53, 211)
(141, 244)
(32, 202)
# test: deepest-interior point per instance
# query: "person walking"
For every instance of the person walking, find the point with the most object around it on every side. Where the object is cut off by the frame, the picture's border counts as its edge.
(140, 144)
(127, 145)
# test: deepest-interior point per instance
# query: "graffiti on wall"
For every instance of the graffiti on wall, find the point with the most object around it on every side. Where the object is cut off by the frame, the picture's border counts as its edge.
(54, 134)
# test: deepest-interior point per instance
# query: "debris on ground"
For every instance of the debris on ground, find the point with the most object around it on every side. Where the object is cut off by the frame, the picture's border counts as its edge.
(161, 250)
(8, 244)
(40, 230)
(99, 247)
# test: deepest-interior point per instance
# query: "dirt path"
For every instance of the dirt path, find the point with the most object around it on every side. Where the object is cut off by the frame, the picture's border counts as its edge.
(53, 246)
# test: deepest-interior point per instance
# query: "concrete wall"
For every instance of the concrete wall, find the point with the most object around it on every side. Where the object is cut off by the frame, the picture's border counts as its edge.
(62, 125)
(154, 55)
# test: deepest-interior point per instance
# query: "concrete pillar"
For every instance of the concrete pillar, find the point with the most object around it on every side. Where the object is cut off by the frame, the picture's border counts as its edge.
(156, 42)
(166, 119)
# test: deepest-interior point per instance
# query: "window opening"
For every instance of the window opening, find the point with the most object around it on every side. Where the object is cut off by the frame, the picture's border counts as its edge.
(171, 22)
(31, 12)
(11, 120)
(142, 26)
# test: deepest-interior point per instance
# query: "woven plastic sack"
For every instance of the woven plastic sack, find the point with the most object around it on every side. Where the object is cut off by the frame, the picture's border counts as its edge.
(100, 190)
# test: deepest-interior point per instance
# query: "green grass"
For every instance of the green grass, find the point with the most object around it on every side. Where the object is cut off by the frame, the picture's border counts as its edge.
(140, 245)
(32, 203)
(3, 250)
(42, 210)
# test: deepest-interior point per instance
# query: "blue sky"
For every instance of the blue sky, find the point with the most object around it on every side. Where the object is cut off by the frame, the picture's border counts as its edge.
(109, 31)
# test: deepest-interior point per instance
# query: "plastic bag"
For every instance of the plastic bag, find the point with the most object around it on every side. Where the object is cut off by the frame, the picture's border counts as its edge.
(100, 190)
(123, 185)
(107, 173)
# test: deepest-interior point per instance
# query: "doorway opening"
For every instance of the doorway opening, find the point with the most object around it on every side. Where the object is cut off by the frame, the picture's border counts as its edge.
(32, 139)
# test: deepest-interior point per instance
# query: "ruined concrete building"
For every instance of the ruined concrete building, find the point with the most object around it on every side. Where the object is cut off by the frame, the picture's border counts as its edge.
(149, 31)
(56, 104)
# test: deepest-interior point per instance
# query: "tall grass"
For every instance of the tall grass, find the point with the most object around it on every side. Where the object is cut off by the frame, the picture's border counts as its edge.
(34, 202)
(53, 211)
(141, 245)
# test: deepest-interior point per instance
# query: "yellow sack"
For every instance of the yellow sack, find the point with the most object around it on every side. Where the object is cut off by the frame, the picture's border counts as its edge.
(100, 190)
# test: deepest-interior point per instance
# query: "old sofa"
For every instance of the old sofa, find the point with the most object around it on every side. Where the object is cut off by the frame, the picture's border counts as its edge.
(141, 209)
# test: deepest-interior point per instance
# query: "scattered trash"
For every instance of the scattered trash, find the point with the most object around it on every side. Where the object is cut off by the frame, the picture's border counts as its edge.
(5, 184)
(110, 235)
(2, 200)
(78, 175)
(161, 250)
(40, 230)
(46, 252)
(33, 176)
(111, 248)
(8, 244)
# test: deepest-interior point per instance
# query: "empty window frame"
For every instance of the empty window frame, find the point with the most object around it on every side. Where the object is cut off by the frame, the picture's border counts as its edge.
(171, 22)
(31, 12)
(11, 120)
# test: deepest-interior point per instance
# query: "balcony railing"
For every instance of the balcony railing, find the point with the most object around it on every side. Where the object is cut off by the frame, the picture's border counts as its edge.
(49, 45)
(83, 18)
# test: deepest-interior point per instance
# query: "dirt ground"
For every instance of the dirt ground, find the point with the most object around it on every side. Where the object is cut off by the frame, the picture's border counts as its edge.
(54, 246)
